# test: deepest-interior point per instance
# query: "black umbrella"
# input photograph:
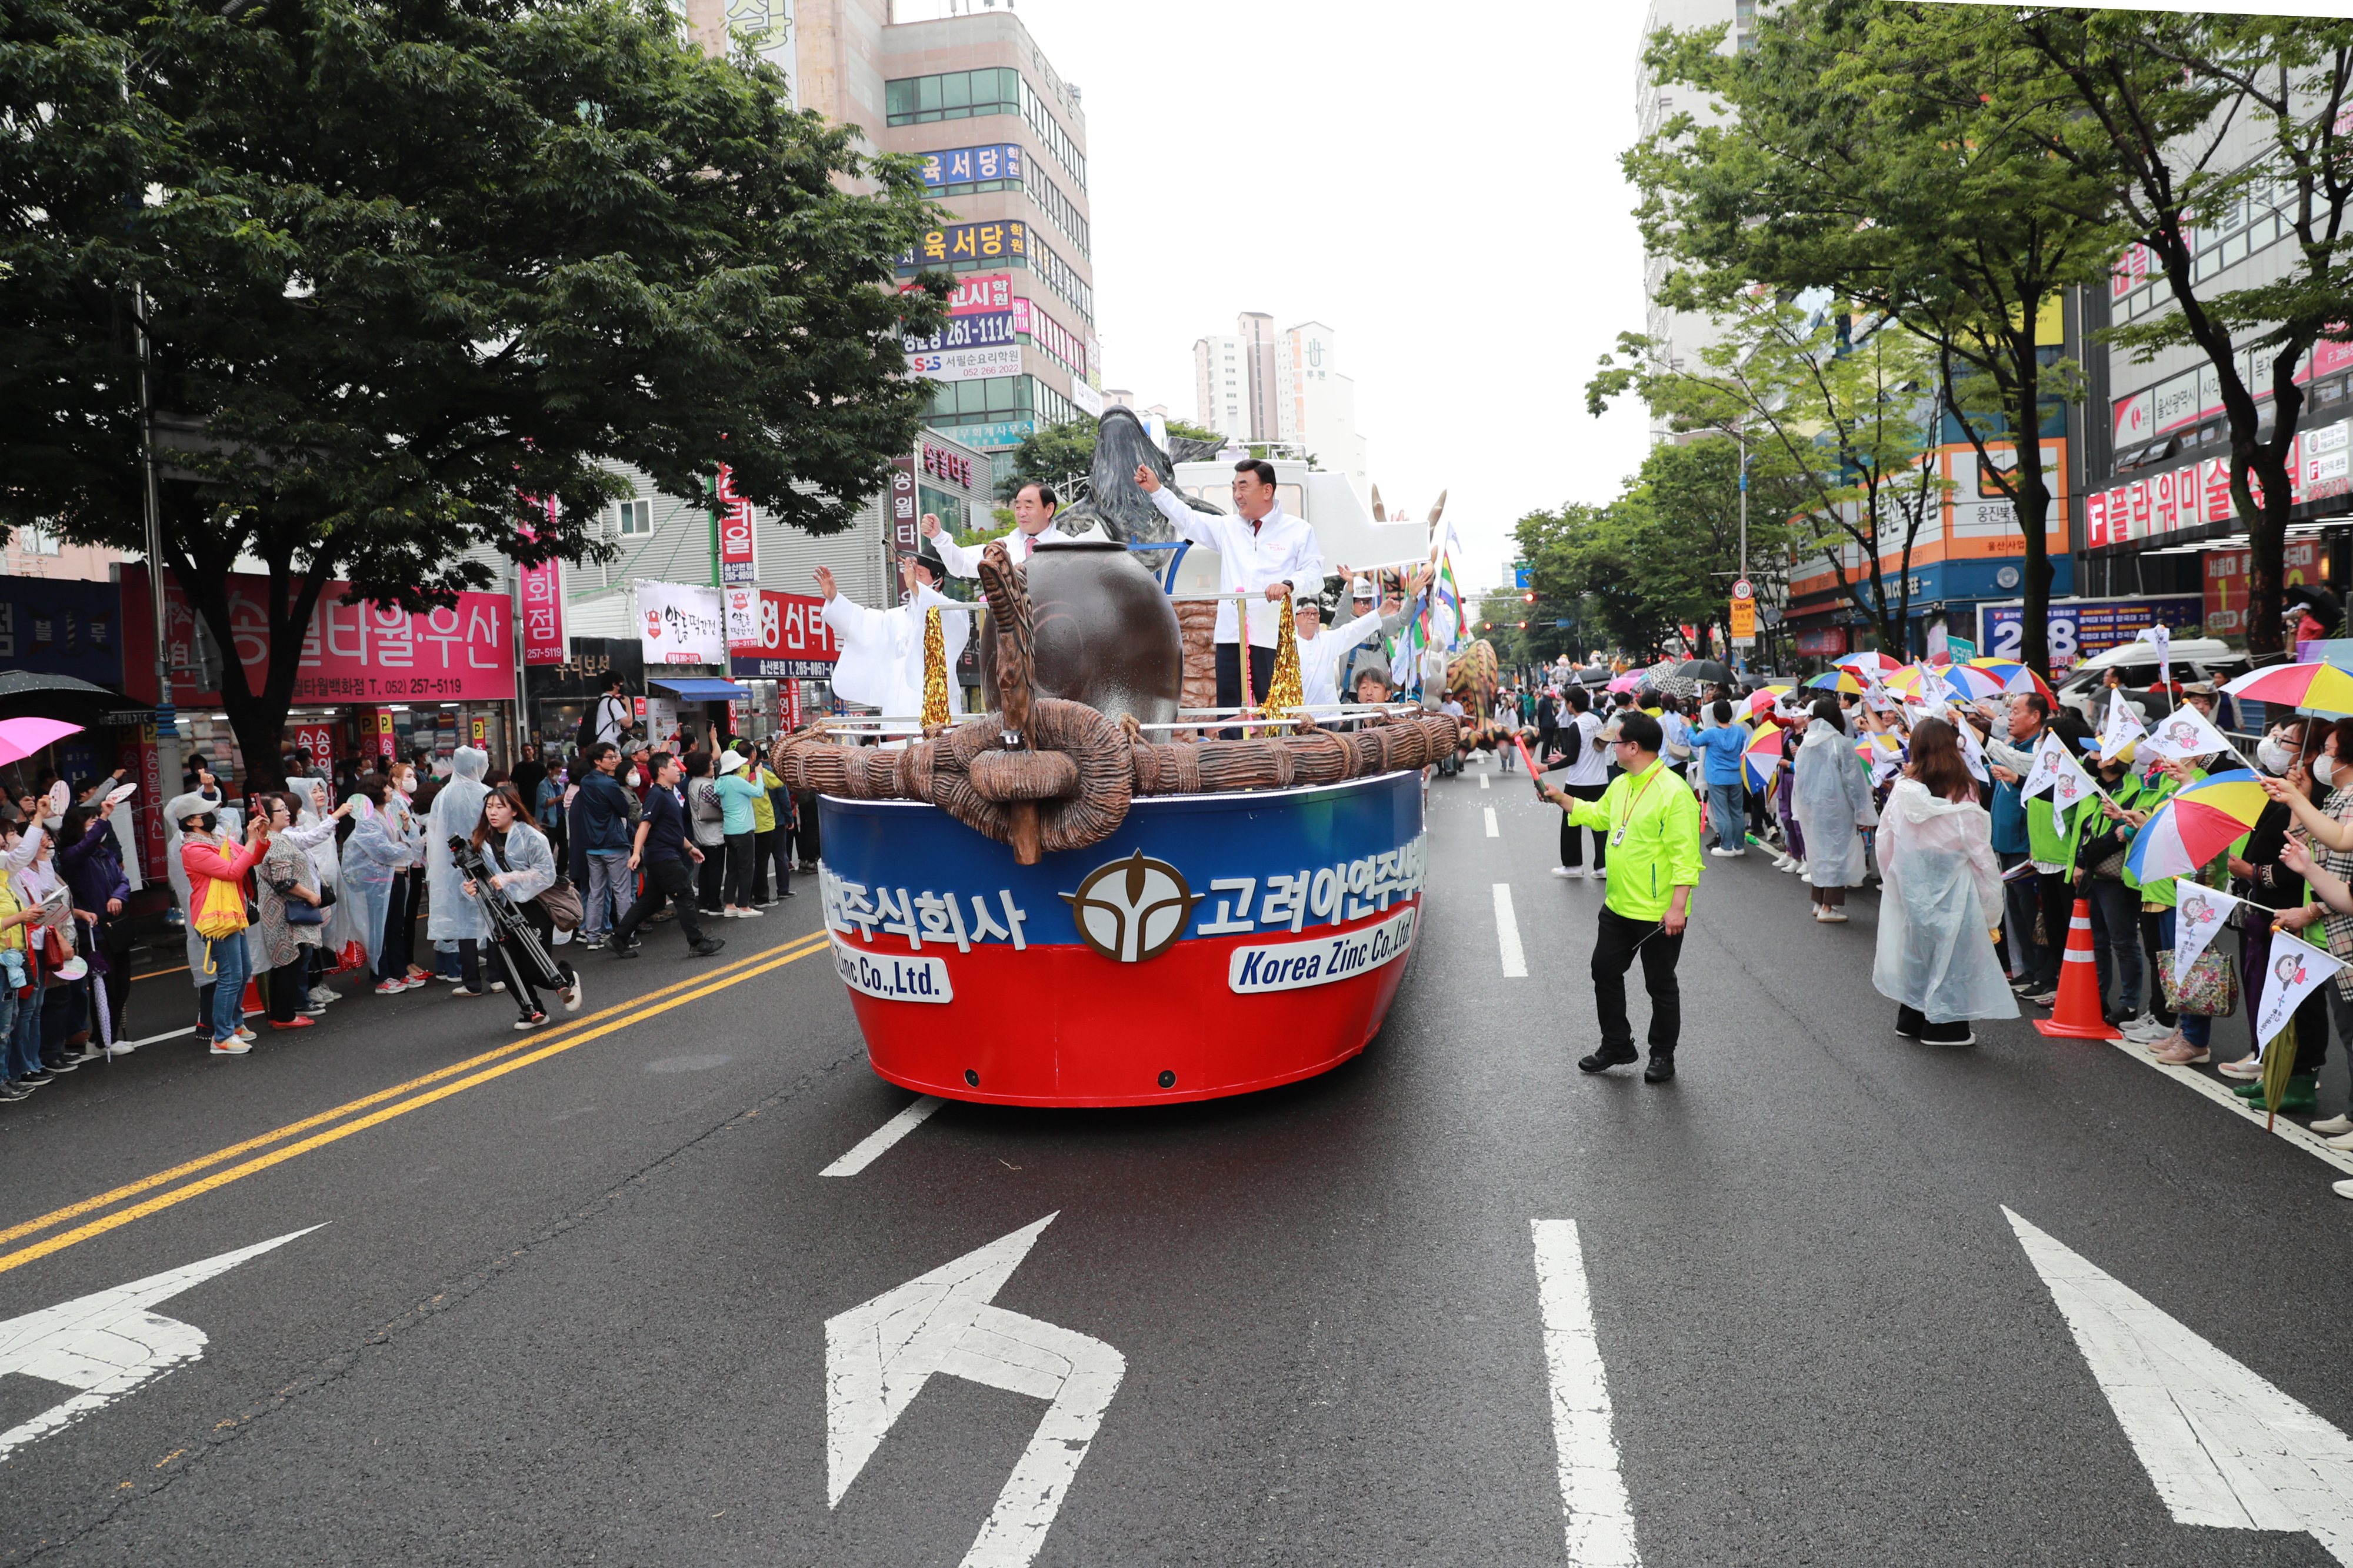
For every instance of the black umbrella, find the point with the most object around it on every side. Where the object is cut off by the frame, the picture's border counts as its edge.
(1707, 669)
(1595, 675)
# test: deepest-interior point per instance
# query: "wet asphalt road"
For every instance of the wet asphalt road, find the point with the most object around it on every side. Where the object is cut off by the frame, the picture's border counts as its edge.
(574, 1309)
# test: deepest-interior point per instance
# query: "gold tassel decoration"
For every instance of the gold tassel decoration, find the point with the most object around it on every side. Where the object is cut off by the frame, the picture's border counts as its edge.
(936, 673)
(1284, 692)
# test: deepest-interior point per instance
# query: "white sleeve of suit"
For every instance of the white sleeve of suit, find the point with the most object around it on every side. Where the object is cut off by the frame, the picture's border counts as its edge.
(961, 560)
(1198, 527)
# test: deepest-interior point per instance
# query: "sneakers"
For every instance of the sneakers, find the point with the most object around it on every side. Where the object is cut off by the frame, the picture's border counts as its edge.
(414, 981)
(36, 1079)
(57, 1065)
(619, 949)
(1828, 916)
(90, 1051)
(462, 991)
(1567, 872)
(751, 914)
(232, 1046)
(10, 1091)
(2022, 987)
(2334, 1126)
(2045, 998)
(392, 988)
(2143, 1027)
(534, 1022)
(707, 946)
(1721, 853)
(2246, 1070)
(2180, 1053)
(498, 986)
(570, 995)
(2342, 1143)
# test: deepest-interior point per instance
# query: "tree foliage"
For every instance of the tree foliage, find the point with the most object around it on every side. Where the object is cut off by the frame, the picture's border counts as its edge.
(409, 262)
(1872, 152)
(1839, 416)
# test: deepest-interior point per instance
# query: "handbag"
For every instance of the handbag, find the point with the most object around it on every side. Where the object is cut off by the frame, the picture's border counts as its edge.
(2209, 991)
(298, 913)
(562, 902)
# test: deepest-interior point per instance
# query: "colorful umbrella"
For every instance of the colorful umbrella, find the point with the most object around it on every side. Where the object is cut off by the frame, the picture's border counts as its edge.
(1763, 754)
(2199, 822)
(2323, 687)
(1837, 680)
(1973, 682)
(1625, 683)
(1868, 664)
(20, 738)
(1762, 700)
(2014, 677)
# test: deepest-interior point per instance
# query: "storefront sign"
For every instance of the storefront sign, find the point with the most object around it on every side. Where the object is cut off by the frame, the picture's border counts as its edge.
(966, 242)
(738, 545)
(2078, 628)
(981, 329)
(972, 165)
(942, 464)
(318, 740)
(383, 740)
(966, 364)
(902, 505)
(994, 437)
(680, 623)
(972, 296)
(64, 627)
(790, 640)
(151, 788)
(356, 652)
(1821, 641)
(2226, 582)
(541, 588)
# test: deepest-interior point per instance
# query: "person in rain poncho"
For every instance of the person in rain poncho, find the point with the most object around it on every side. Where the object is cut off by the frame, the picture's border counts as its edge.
(1940, 898)
(450, 915)
(314, 831)
(1833, 802)
(375, 859)
(881, 662)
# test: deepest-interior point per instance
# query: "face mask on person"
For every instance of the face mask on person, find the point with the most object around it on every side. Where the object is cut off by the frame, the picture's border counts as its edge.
(635, 778)
(204, 822)
(2275, 757)
(2324, 768)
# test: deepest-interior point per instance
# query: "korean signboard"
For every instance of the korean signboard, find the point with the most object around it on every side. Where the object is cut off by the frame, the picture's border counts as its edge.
(2226, 583)
(64, 627)
(738, 554)
(980, 329)
(540, 587)
(2078, 628)
(968, 242)
(680, 623)
(902, 505)
(972, 165)
(790, 640)
(966, 364)
(354, 651)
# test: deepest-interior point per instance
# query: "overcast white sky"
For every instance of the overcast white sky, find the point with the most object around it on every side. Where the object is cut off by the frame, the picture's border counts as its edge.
(1438, 184)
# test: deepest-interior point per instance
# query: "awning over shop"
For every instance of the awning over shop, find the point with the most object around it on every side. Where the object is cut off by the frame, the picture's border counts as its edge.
(699, 689)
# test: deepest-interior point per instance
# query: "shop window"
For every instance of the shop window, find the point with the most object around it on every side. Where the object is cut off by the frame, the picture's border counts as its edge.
(35, 540)
(634, 518)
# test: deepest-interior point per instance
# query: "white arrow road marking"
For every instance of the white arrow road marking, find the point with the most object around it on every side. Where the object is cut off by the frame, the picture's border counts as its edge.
(108, 1343)
(1507, 934)
(875, 1144)
(2224, 1447)
(1595, 1514)
(879, 1354)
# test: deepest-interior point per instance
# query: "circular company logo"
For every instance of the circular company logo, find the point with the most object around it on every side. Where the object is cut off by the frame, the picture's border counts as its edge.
(1133, 910)
(2006, 578)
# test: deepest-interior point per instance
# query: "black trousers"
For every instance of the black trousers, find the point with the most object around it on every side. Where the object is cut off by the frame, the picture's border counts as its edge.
(1616, 940)
(710, 876)
(2058, 915)
(1572, 847)
(664, 879)
(523, 974)
(768, 849)
(286, 987)
(1229, 678)
(738, 888)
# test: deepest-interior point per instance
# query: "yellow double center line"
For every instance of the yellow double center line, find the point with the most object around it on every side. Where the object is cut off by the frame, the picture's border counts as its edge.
(437, 1085)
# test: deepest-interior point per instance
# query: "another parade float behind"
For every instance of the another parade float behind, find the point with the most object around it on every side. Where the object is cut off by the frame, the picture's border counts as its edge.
(1092, 894)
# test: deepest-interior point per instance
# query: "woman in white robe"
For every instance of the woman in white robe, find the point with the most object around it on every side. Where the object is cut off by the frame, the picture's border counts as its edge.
(1832, 796)
(881, 662)
(1940, 898)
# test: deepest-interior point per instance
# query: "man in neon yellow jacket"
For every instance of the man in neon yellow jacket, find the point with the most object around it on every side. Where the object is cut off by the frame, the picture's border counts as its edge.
(1652, 821)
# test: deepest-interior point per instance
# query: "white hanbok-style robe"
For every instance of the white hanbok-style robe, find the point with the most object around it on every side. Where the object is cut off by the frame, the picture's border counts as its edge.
(1940, 897)
(1831, 797)
(881, 662)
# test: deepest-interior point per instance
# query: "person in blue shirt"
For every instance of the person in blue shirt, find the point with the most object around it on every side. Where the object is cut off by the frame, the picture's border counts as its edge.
(737, 791)
(663, 848)
(1720, 747)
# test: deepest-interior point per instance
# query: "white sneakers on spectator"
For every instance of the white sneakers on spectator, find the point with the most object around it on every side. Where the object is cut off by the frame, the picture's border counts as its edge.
(2334, 1127)
(2144, 1029)
(2246, 1070)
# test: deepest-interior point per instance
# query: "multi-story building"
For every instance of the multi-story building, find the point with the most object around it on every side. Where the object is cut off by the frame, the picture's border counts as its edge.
(1679, 336)
(1315, 405)
(1220, 390)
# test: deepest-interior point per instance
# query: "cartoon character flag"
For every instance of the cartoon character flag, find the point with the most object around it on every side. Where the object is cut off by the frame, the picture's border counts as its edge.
(2297, 968)
(2051, 760)
(2184, 735)
(2199, 913)
(2070, 786)
(2160, 637)
(2124, 728)
(1971, 751)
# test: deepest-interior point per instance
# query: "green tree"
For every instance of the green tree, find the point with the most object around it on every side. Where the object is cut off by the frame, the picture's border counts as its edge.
(1838, 416)
(409, 262)
(1868, 154)
(2143, 104)
(1574, 561)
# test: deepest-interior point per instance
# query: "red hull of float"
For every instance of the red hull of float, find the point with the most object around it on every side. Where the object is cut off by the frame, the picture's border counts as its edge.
(1106, 1040)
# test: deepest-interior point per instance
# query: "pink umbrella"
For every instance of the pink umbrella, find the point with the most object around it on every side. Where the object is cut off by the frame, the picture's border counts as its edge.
(1625, 683)
(20, 738)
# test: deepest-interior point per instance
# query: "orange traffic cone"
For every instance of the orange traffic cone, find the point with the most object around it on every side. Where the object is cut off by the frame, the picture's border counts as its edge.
(252, 1002)
(2077, 1015)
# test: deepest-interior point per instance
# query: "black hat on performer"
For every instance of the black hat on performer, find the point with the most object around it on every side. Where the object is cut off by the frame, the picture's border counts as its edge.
(927, 557)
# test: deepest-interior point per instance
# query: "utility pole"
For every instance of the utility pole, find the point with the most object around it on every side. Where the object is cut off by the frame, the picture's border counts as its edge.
(167, 727)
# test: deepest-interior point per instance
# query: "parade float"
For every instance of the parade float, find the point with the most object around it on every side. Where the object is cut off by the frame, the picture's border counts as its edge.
(1093, 894)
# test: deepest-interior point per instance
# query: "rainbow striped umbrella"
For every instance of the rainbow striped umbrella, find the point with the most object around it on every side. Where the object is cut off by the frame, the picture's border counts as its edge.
(1837, 680)
(1764, 697)
(2197, 824)
(1763, 754)
(2014, 677)
(1973, 682)
(2323, 687)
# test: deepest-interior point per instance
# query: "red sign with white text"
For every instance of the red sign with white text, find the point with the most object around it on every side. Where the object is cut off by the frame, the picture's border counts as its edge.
(792, 641)
(354, 652)
(738, 560)
(541, 589)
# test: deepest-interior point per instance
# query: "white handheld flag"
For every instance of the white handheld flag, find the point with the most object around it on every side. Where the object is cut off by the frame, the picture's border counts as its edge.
(1972, 752)
(2124, 727)
(2070, 787)
(2184, 735)
(2050, 759)
(2199, 915)
(2293, 970)
(1933, 691)
(2162, 638)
